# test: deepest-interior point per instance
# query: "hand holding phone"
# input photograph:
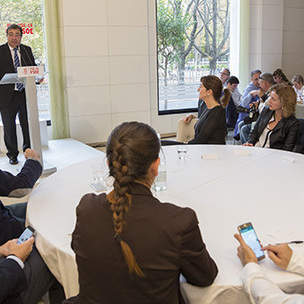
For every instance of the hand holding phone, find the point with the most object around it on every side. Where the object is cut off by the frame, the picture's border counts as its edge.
(23, 250)
(26, 234)
(250, 238)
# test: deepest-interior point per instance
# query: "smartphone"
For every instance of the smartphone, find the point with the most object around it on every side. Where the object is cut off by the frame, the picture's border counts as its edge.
(251, 239)
(26, 234)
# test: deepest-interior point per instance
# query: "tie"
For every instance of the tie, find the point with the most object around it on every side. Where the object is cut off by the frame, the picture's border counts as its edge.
(17, 64)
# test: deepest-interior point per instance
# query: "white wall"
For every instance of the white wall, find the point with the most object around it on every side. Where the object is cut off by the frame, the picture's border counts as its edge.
(277, 36)
(266, 34)
(109, 51)
(293, 38)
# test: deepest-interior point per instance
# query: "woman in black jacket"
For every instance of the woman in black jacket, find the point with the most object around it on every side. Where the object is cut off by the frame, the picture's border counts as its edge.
(277, 127)
(211, 126)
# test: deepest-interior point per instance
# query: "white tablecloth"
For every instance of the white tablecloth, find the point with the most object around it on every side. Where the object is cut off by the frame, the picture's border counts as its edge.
(265, 187)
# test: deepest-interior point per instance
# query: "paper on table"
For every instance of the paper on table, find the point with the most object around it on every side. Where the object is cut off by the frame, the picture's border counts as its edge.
(243, 152)
(209, 156)
(286, 235)
(288, 158)
(10, 78)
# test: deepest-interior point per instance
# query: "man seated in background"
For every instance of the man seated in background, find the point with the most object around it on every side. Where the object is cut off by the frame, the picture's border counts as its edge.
(257, 285)
(231, 113)
(232, 85)
(24, 277)
(265, 82)
(224, 75)
(249, 96)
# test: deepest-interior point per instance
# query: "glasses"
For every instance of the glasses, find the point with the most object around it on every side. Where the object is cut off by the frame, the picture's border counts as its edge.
(13, 35)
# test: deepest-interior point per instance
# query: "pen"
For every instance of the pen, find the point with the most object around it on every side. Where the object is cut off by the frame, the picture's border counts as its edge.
(292, 242)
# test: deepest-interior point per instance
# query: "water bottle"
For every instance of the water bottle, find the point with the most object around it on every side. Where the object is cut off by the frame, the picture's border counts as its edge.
(160, 182)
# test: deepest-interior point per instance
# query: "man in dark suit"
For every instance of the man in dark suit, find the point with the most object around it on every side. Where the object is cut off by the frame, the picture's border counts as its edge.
(24, 277)
(12, 96)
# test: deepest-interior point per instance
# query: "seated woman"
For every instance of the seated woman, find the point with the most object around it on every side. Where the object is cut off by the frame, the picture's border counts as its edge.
(280, 77)
(211, 126)
(298, 86)
(277, 127)
(130, 247)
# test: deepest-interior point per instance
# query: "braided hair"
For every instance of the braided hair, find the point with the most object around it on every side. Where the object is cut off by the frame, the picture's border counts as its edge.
(131, 149)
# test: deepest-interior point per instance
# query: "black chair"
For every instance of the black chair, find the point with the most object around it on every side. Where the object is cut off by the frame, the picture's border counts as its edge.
(299, 147)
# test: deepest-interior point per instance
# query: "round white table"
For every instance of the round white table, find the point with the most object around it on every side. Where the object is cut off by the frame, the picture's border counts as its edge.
(231, 185)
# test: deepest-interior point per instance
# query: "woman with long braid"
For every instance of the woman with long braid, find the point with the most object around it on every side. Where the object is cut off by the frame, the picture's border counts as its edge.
(130, 247)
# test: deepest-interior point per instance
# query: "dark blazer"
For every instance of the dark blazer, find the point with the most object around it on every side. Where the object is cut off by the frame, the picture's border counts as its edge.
(284, 134)
(12, 281)
(25, 179)
(7, 66)
(164, 238)
(211, 127)
(12, 278)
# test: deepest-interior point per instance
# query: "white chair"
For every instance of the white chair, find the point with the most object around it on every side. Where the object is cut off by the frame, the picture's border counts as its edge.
(185, 132)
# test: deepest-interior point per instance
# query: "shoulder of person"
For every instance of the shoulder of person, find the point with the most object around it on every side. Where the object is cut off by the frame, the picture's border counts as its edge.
(25, 46)
(292, 120)
(4, 47)
(91, 201)
(184, 216)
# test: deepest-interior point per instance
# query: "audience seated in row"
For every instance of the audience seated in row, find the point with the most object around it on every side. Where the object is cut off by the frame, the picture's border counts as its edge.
(250, 94)
(265, 83)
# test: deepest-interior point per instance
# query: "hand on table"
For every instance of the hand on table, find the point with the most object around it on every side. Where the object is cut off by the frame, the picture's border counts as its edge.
(279, 254)
(245, 253)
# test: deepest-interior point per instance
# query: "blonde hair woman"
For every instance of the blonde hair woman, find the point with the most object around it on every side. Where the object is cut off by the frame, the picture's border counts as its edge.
(277, 127)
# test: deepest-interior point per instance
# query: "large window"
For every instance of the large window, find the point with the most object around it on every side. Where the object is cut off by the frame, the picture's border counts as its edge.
(29, 15)
(192, 41)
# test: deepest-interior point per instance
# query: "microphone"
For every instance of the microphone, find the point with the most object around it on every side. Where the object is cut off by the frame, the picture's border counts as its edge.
(28, 57)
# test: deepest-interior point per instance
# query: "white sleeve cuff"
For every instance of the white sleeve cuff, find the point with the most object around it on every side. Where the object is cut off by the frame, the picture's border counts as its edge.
(13, 257)
(296, 263)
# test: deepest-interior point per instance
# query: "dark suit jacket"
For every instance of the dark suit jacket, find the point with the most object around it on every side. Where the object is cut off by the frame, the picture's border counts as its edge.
(164, 238)
(12, 281)
(284, 134)
(27, 177)
(12, 278)
(7, 66)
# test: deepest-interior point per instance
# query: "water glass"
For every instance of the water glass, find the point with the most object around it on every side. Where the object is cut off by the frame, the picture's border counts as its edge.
(98, 172)
(182, 151)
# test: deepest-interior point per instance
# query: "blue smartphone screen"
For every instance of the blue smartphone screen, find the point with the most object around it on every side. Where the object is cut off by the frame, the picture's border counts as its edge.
(26, 234)
(251, 239)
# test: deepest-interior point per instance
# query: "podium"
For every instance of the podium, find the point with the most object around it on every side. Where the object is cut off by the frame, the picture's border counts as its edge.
(27, 76)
